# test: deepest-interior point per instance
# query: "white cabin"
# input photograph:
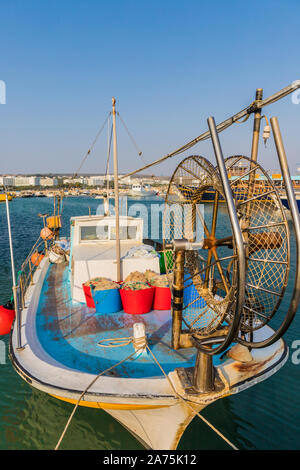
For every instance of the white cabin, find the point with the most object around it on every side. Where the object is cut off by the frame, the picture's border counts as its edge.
(93, 250)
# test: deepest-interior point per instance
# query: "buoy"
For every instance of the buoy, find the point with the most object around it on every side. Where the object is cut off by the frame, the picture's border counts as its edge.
(36, 258)
(7, 316)
(46, 233)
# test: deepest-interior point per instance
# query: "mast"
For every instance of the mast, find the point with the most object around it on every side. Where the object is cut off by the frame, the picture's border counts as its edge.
(256, 126)
(108, 152)
(116, 187)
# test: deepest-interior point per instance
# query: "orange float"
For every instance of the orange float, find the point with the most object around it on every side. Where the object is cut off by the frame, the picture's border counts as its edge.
(46, 233)
(36, 258)
(7, 316)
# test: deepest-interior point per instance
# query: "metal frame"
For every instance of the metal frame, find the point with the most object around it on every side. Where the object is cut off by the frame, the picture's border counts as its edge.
(238, 240)
(180, 246)
(296, 222)
(283, 223)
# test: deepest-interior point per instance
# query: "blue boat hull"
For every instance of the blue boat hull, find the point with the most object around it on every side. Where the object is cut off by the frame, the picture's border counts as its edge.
(286, 204)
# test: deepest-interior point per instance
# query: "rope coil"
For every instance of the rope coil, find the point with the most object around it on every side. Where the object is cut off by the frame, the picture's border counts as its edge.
(138, 343)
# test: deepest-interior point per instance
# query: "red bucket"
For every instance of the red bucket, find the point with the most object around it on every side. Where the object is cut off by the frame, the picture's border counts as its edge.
(88, 296)
(137, 302)
(162, 298)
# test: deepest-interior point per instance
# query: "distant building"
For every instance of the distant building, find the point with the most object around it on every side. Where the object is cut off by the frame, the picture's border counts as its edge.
(48, 181)
(79, 180)
(7, 180)
(27, 181)
(95, 181)
(126, 180)
(239, 169)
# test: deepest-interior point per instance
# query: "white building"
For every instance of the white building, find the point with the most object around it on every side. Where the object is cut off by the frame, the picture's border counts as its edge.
(48, 181)
(126, 180)
(95, 181)
(7, 180)
(80, 180)
(27, 181)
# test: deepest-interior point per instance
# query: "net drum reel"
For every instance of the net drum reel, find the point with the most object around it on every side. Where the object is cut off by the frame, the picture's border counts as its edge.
(203, 288)
(265, 230)
(228, 283)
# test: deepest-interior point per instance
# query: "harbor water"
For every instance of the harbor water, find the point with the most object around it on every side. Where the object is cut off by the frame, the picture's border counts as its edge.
(265, 416)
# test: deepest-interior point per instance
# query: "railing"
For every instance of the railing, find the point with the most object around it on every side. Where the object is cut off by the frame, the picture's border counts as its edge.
(28, 268)
(25, 278)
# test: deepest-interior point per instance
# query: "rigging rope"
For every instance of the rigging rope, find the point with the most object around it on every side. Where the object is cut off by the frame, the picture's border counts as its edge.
(254, 106)
(109, 146)
(92, 146)
(132, 139)
(108, 152)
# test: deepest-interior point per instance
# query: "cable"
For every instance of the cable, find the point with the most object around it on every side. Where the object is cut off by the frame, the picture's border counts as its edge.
(186, 402)
(84, 392)
(225, 124)
(140, 343)
(132, 140)
(108, 151)
(92, 146)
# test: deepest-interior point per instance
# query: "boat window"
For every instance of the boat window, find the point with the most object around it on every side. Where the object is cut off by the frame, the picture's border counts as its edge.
(94, 232)
(132, 231)
(107, 232)
(123, 233)
(126, 233)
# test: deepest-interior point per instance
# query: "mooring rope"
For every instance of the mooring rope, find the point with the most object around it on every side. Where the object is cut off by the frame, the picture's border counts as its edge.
(139, 344)
(186, 402)
(85, 391)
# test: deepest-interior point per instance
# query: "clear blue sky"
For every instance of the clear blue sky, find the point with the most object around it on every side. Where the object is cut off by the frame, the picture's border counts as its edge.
(169, 63)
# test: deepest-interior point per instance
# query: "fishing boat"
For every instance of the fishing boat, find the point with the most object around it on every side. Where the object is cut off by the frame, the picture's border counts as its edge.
(141, 190)
(187, 191)
(27, 194)
(3, 197)
(285, 201)
(155, 370)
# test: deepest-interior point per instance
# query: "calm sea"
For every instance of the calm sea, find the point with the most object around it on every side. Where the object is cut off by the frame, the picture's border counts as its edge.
(264, 417)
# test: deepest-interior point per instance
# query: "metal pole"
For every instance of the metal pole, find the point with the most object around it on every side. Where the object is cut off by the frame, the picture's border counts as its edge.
(254, 149)
(15, 288)
(108, 152)
(177, 304)
(236, 229)
(212, 234)
(204, 373)
(256, 126)
(254, 153)
(116, 184)
(295, 217)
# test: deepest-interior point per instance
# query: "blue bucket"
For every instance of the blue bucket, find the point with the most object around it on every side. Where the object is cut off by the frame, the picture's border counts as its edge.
(190, 293)
(107, 301)
(209, 317)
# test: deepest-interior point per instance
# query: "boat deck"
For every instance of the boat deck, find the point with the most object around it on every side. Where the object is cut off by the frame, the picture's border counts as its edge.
(70, 332)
